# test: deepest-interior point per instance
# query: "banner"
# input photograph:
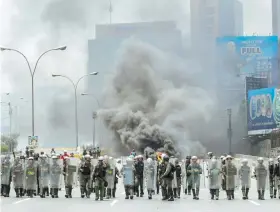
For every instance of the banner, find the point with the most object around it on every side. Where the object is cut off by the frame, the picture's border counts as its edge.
(250, 56)
(33, 141)
(263, 111)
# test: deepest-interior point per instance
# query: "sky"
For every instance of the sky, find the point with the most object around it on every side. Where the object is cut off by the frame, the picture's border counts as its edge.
(35, 26)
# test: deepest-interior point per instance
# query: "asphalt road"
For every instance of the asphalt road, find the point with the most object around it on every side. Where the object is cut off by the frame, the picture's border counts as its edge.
(186, 203)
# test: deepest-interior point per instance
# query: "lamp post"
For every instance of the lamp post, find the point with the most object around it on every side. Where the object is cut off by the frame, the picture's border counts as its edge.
(10, 120)
(32, 73)
(229, 111)
(75, 86)
(94, 116)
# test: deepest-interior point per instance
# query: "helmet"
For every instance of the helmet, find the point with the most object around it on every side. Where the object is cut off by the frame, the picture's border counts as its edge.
(54, 157)
(244, 161)
(149, 160)
(260, 160)
(228, 157)
(194, 157)
(222, 157)
(100, 158)
(30, 158)
(270, 161)
(87, 156)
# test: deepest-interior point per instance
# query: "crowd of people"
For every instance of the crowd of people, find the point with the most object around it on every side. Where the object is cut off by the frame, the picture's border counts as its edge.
(43, 175)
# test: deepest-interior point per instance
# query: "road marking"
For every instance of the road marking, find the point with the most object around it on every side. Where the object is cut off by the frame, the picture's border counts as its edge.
(17, 202)
(114, 202)
(253, 202)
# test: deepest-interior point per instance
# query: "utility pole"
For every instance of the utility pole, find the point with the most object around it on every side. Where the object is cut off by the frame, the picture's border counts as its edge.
(229, 111)
(94, 116)
(110, 11)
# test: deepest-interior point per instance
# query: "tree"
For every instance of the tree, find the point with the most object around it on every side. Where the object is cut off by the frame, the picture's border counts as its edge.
(11, 142)
(4, 148)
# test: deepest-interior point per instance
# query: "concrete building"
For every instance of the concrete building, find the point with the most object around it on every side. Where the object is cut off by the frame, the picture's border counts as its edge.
(103, 50)
(276, 17)
(214, 18)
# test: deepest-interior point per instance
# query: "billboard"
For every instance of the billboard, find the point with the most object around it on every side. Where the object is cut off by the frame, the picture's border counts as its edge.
(250, 56)
(263, 111)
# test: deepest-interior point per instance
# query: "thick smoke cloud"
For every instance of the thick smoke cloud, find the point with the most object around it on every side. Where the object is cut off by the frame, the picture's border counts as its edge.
(148, 106)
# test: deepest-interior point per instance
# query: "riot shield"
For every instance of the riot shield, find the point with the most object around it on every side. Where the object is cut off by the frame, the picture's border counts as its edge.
(214, 174)
(71, 167)
(56, 169)
(110, 173)
(150, 174)
(128, 173)
(18, 173)
(261, 175)
(244, 175)
(230, 176)
(94, 163)
(6, 168)
(30, 175)
(184, 175)
(174, 181)
(44, 172)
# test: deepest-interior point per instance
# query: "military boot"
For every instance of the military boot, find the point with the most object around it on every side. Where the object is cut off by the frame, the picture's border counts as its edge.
(259, 194)
(170, 193)
(70, 192)
(228, 195)
(193, 192)
(243, 194)
(232, 194)
(21, 192)
(82, 192)
(48, 191)
(189, 190)
(131, 194)
(56, 193)
(246, 193)
(114, 192)
(126, 193)
(262, 195)
(31, 193)
(275, 192)
(66, 192)
(164, 194)
(197, 194)
(17, 192)
(179, 193)
(175, 192)
(212, 193)
(217, 194)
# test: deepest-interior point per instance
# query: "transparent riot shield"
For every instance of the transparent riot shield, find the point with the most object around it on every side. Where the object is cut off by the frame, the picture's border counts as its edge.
(150, 171)
(30, 175)
(44, 172)
(56, 170)
(194, 171)
(18, 173)
(184, 175)
(244, 175)
(6, 168)
(174, 181)
(214, 174)
(94, 163)
(261, 176)
(128, 173)
(110, 173)
(230, 176)
(71, 167)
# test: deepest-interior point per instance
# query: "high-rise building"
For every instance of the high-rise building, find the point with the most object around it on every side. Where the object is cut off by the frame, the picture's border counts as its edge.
(103, 50)
(214, 18)
(276, 17)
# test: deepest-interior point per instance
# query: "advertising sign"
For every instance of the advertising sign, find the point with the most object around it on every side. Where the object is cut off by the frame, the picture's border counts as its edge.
(33, 141)
(263, 110)
(250, 56)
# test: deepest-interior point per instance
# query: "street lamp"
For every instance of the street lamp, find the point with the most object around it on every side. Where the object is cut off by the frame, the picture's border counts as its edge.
(75, 86)
(94, 116)
(32, 73)
(229, 112)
